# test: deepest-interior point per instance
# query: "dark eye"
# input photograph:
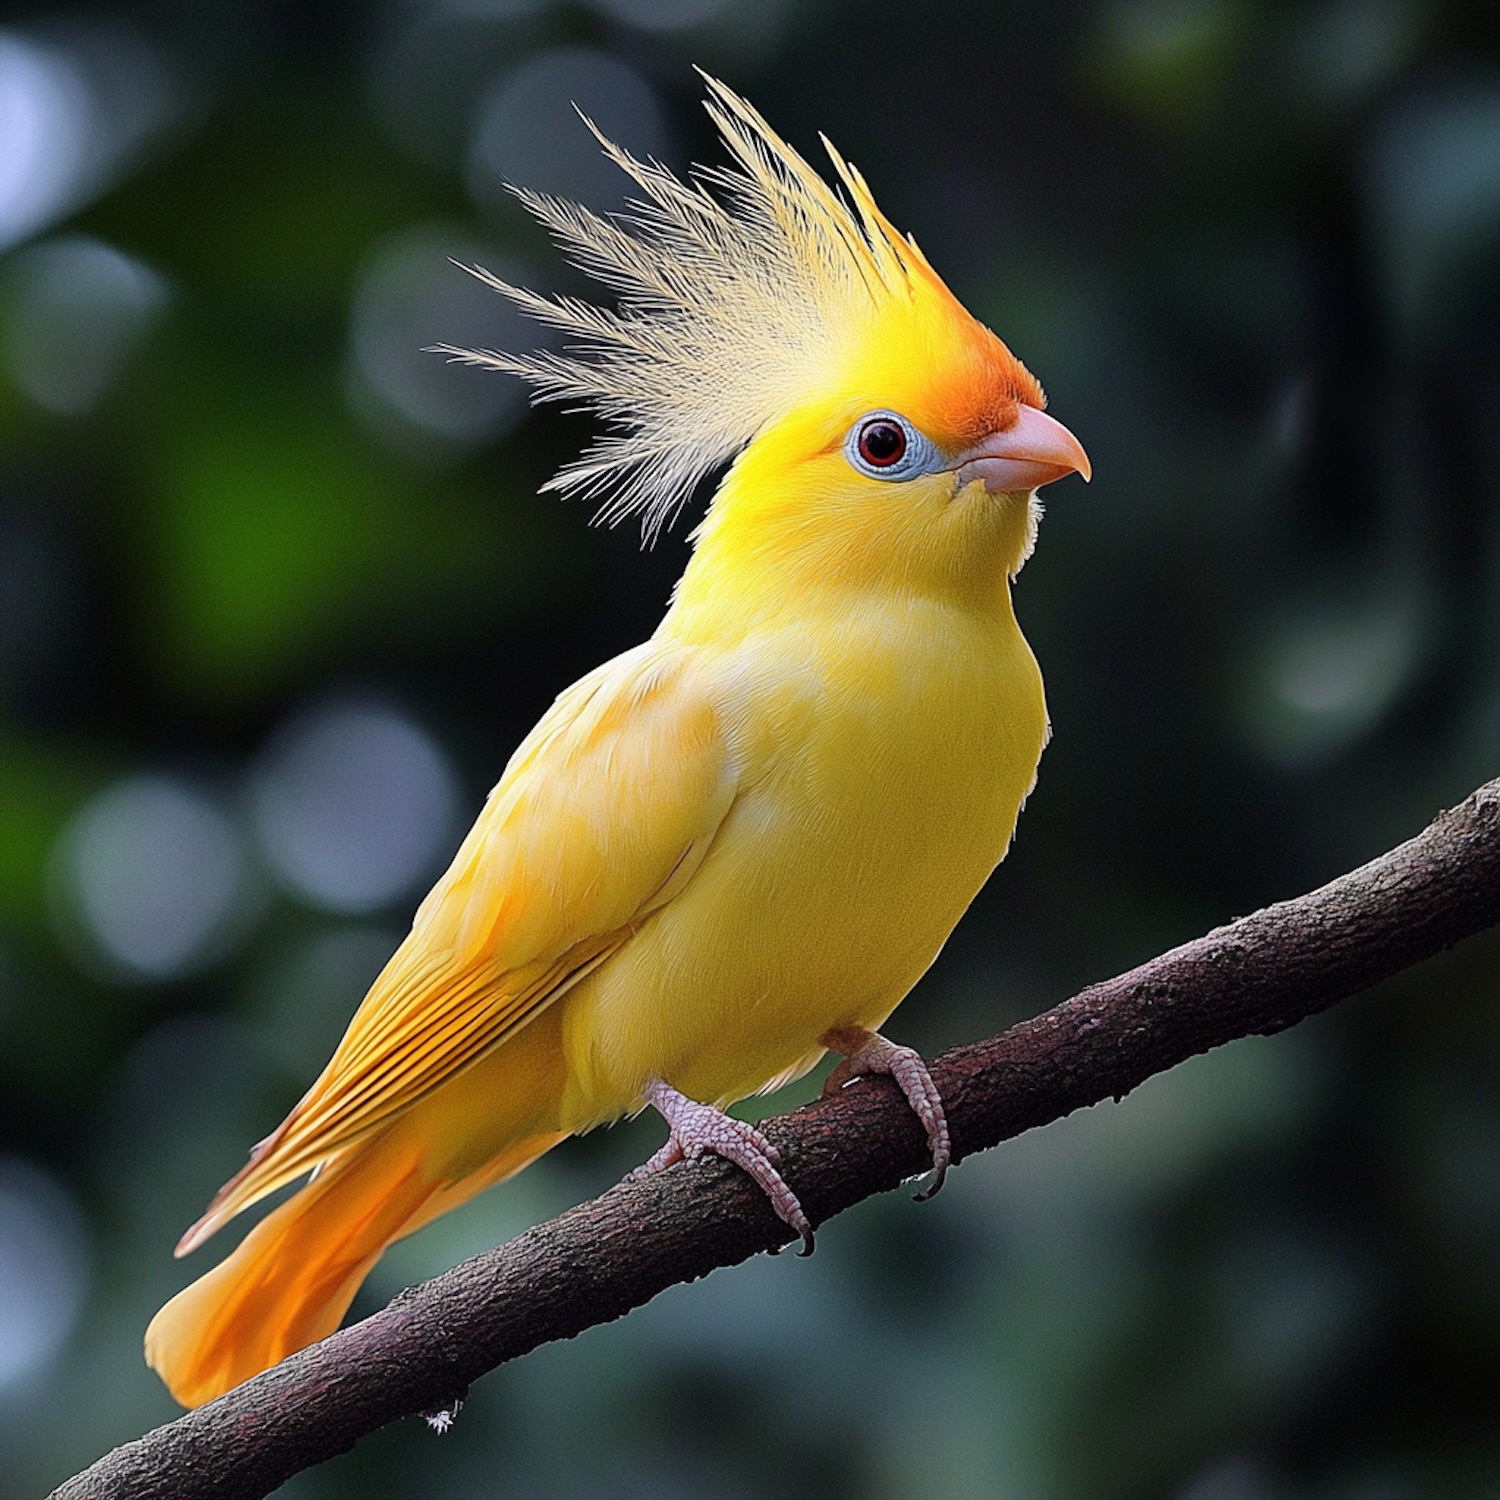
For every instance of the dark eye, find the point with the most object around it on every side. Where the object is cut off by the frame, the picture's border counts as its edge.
(882, 443)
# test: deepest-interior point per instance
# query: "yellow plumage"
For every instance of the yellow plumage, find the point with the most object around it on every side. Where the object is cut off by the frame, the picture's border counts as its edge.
(757, 828)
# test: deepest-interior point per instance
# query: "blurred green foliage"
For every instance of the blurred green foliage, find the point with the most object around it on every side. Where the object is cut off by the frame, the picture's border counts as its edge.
(1252, 249)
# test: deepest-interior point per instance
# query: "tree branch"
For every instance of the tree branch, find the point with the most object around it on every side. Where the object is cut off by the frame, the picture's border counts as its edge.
(1260, 974)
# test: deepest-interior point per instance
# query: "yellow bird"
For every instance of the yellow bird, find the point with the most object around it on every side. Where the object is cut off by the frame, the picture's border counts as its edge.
(739, 845)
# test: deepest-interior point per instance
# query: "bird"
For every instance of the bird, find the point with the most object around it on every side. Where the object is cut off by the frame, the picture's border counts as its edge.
(734, 848)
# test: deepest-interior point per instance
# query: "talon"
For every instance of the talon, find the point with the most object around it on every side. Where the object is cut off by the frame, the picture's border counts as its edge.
(696, 1128)
(668, 1156)
(869, 1052)
(835, 1081)
(939, 1176)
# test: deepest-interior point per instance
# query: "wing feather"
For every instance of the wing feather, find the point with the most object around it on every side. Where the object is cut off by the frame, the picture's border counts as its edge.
(600, 817)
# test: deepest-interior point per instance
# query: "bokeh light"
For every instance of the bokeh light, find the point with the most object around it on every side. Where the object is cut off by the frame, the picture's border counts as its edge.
(1343, 49)
(75, 310)
(528, 130)
(663, 15)
(44, 1270)
(353, 803)
(1435, 184)
(152, 877)
(411, 297)
(44, 134)
(1326, 678)
(72, 114)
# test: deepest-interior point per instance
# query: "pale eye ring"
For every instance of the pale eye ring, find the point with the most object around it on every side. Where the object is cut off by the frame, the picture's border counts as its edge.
(884, 445)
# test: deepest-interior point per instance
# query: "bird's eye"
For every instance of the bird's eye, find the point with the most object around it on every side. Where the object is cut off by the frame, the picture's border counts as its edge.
(884, 445)
(881, 443)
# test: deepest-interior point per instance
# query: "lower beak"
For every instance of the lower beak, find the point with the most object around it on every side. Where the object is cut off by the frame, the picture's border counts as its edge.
(1034, 450)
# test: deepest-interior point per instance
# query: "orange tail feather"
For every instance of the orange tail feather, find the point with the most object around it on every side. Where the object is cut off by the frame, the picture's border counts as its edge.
(292, 1278)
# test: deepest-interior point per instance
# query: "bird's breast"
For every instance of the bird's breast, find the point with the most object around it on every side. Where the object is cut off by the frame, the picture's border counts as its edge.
(883, 757)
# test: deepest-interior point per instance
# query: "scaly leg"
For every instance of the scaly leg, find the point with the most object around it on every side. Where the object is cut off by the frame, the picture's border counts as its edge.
(697, 1128)
(869, 1052)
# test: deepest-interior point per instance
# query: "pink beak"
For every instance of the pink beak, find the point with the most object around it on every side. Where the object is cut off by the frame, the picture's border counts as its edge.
(1033, 451)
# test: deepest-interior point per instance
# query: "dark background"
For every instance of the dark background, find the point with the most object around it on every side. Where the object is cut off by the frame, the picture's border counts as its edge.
(277, 599)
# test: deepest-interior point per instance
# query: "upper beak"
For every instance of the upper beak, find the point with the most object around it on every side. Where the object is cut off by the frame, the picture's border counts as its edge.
(1034, 450)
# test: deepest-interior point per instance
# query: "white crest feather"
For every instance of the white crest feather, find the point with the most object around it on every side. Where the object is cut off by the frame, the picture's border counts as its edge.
(729, 312)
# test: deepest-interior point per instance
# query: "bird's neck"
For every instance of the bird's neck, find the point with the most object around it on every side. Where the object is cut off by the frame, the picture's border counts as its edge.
(768, 560)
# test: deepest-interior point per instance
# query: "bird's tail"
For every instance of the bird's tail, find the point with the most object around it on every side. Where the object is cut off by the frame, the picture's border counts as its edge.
(294, 1275)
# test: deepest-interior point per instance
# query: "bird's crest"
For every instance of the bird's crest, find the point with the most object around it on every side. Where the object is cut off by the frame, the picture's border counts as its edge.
(730, 312)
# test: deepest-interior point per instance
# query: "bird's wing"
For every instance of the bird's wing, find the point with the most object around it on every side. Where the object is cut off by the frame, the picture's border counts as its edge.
(602, 815)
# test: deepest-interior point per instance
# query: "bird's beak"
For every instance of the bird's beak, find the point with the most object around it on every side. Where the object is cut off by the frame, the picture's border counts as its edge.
(1034, 450)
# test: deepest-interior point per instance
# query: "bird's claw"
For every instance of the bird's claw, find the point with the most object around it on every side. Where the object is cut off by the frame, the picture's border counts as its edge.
(696, 1128)
(868, 1052)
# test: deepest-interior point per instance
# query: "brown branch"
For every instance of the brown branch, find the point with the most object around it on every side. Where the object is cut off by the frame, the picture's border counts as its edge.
(1260, 974)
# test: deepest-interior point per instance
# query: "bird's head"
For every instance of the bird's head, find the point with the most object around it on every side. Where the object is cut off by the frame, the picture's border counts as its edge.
(877, 432)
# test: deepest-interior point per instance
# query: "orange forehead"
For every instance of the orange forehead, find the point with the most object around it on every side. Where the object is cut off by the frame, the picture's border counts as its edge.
(976, 390)
(931, 360)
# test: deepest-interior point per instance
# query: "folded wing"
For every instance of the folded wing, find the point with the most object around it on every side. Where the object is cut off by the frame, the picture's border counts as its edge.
(602, 815)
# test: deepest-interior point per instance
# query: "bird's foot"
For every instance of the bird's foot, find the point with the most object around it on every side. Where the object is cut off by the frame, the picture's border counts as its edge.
(869, 1052)
(697, 1128)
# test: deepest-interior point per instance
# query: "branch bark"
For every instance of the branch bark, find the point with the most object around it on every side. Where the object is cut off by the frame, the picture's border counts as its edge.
(1257, 975)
